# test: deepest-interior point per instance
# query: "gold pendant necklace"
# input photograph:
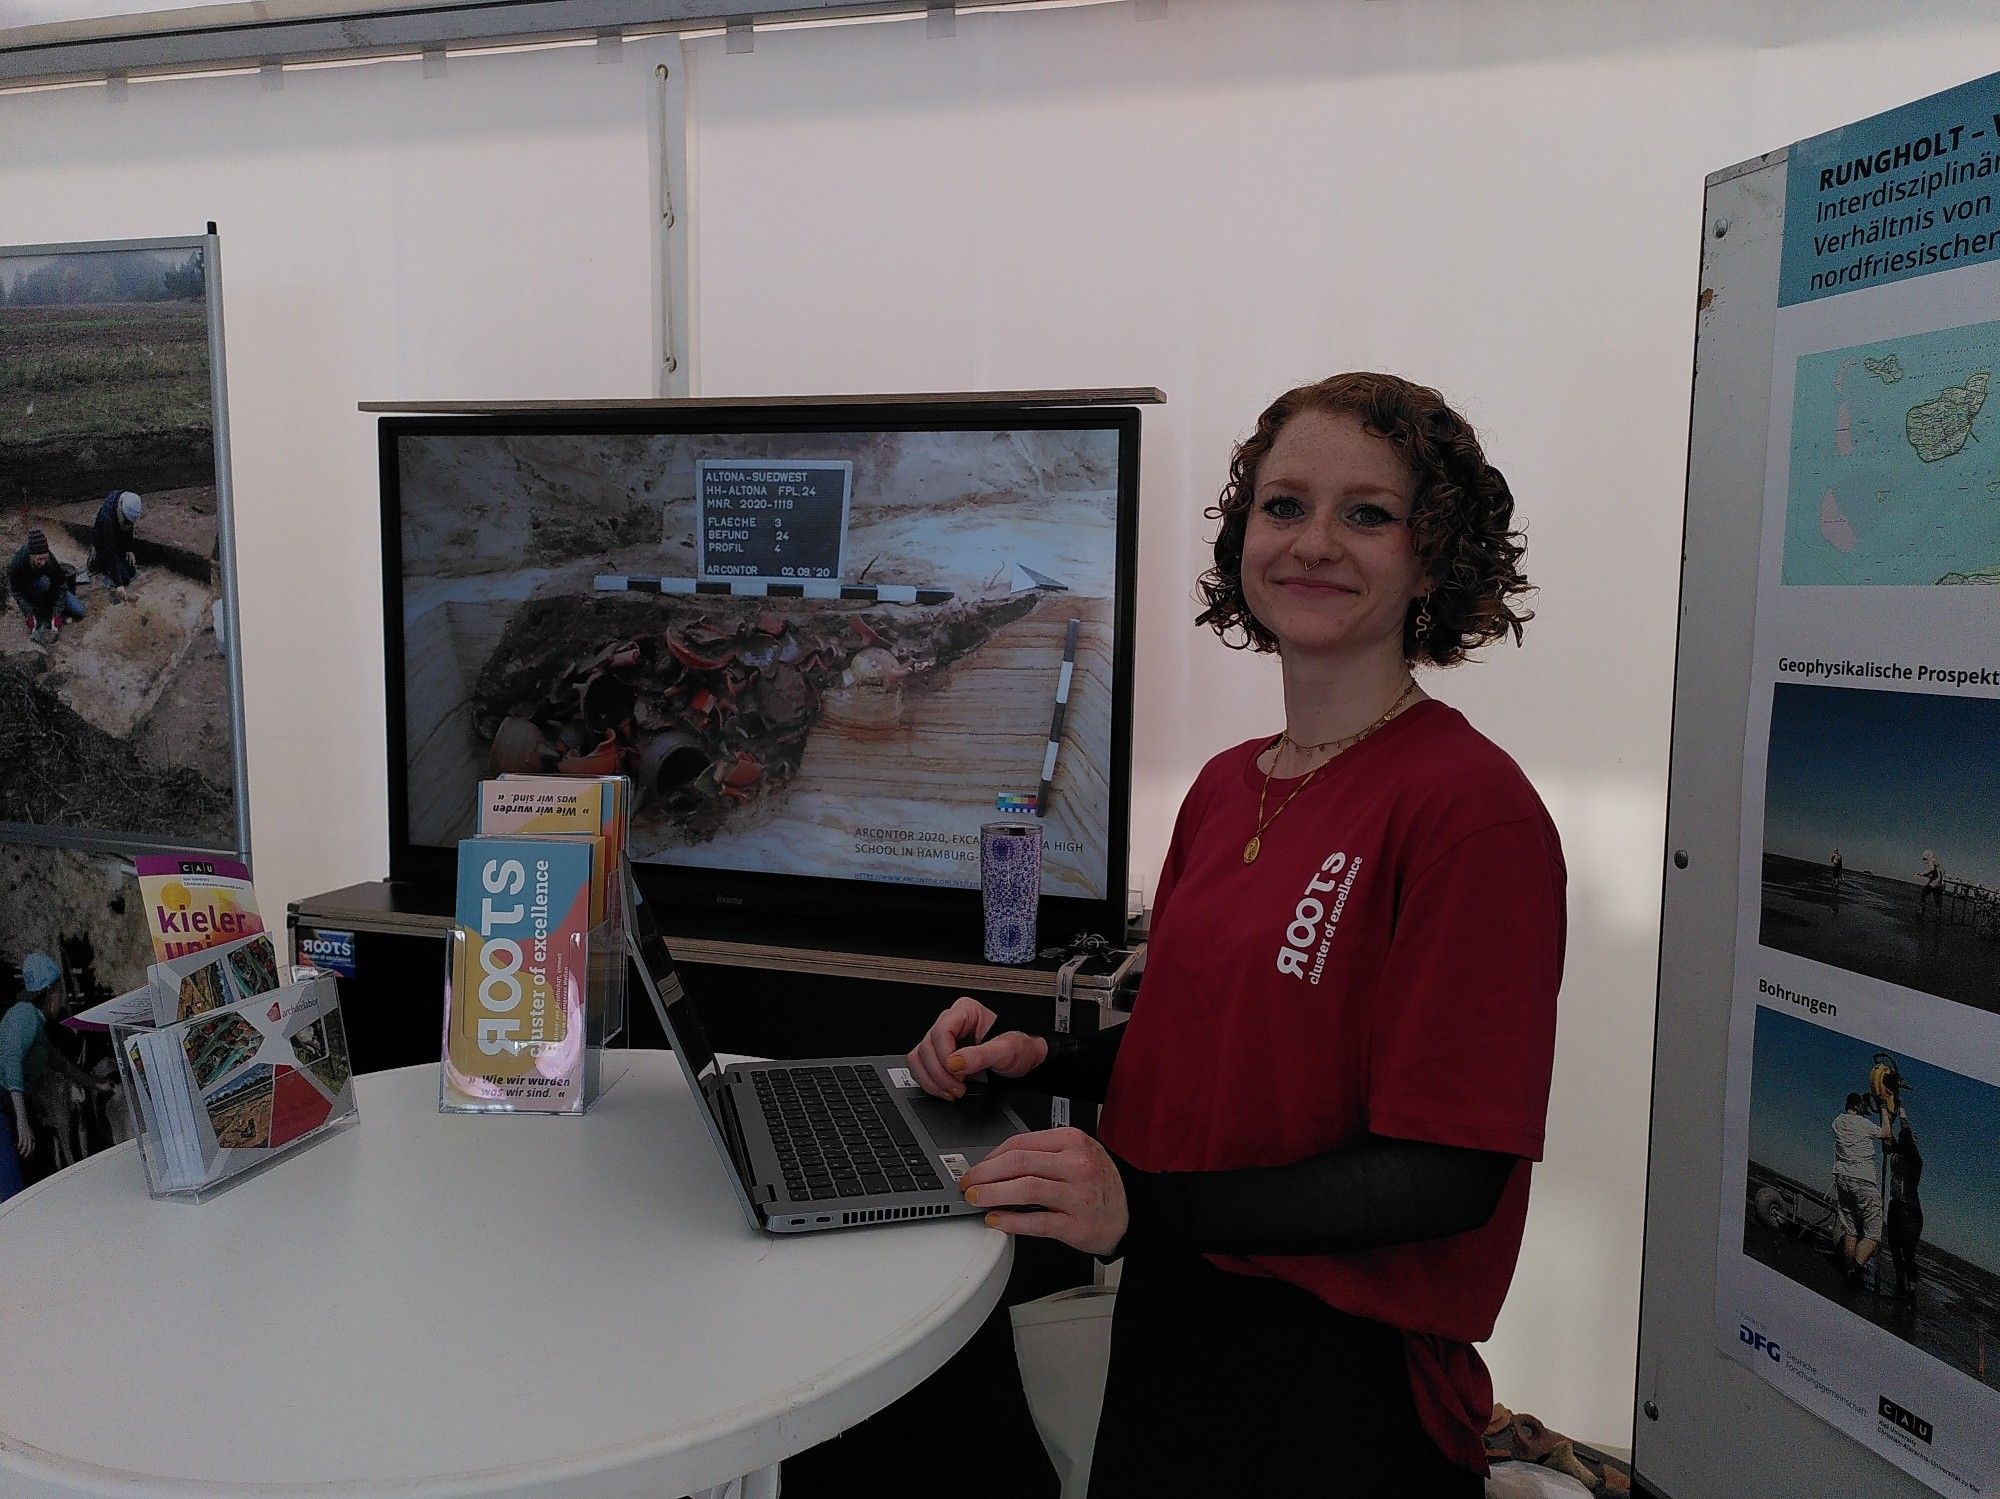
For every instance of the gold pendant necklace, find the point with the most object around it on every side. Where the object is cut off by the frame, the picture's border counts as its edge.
(1256, 843)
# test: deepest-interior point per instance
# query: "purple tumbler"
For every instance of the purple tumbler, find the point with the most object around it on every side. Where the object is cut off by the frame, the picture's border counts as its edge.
(1010, 883)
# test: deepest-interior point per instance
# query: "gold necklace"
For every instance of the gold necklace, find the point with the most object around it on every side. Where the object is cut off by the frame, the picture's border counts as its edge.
(1256, 843)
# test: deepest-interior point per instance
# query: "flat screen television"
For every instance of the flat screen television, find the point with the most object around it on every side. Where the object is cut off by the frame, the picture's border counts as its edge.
(827, 642)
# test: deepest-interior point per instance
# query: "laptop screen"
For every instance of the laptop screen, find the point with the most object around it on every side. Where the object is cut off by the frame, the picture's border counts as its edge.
(683, 1026)
(689, 1040)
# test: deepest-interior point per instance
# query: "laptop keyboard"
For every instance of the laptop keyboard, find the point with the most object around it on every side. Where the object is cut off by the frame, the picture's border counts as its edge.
(839, 1134)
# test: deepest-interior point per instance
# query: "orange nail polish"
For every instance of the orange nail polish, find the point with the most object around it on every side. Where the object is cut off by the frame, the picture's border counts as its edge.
(955, 1062)
(992, 1220)
(972, 1195)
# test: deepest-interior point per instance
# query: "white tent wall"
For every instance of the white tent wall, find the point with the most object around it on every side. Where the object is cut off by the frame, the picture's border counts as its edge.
(385, 235)
(1503, 200)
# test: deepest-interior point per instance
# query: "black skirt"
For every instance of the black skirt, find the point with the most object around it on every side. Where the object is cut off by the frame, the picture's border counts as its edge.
(1231, 1384)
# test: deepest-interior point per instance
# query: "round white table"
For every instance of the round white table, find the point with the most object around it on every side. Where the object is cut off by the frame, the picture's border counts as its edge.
(457, 1305)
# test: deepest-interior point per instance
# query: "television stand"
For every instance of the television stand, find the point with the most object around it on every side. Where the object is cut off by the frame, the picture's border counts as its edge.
(393, 934)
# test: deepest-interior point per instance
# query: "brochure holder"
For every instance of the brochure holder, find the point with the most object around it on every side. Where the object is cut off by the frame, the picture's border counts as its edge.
(515, 1045)
(225, 1094)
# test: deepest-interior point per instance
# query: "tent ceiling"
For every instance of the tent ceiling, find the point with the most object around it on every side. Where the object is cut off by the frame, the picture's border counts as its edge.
(71, 39)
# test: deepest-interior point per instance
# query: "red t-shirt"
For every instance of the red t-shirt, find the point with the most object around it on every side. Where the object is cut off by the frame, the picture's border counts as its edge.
(1388, 965)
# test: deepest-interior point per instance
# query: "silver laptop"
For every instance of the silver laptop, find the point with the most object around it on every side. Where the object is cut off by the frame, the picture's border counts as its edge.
(836, 1142)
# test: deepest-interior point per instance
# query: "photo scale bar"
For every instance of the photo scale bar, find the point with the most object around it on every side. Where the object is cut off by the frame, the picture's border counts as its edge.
(877, 593)
(1070, 634)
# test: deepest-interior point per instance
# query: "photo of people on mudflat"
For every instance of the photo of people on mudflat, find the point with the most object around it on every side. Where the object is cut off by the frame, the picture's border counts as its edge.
(115, 696)
(861, 721)
(1874, 1181)
(1882, 837)
(72, 935)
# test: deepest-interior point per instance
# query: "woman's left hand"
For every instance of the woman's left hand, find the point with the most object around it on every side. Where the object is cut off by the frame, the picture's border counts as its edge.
(1064, 1184)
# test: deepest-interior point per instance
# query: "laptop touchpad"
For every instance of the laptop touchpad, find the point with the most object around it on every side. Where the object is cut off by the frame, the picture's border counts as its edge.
(971, 1127)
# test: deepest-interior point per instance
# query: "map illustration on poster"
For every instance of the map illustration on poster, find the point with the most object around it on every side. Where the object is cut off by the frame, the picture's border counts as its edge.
(1889, 483)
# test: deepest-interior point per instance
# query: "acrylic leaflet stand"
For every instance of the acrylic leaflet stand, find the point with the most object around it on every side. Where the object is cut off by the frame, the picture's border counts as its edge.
(534, 1032)
(227, 1093)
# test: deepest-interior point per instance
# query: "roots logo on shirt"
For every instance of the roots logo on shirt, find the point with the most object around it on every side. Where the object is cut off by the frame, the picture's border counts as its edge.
(1310, 935)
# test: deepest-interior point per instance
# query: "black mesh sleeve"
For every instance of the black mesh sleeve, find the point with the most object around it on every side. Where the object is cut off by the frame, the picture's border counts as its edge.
(1374, 1193)
(1076, 1067)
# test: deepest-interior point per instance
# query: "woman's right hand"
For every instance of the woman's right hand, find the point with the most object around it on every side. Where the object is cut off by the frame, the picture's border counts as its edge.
(943, 1064)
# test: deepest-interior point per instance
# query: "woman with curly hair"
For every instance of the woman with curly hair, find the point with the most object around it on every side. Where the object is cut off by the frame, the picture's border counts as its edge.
(1318, 1122)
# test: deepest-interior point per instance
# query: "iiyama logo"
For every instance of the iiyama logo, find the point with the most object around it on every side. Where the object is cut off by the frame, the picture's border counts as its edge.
(729, 900)
(1908, 1421)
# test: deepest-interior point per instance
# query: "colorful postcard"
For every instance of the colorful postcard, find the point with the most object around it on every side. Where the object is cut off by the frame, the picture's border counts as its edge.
(322, 1050)
(254, 967)
(240, 1111)
(217, 1047)
(201, 991)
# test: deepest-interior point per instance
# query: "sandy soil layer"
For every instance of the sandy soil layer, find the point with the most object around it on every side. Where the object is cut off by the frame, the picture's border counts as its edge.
(67, 468)
(65, 772)
(194, 710)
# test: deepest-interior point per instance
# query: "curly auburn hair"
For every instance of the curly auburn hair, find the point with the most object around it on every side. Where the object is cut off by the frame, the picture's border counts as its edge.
(1460, 521)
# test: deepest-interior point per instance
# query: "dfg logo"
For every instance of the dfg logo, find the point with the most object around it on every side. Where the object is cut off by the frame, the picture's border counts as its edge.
(1751, 1338)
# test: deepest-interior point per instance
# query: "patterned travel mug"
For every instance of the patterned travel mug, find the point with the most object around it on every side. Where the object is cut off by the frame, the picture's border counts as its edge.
(1010, 883)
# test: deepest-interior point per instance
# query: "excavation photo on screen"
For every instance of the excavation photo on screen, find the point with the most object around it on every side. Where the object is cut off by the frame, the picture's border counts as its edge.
(117, 692)
(831, 653)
